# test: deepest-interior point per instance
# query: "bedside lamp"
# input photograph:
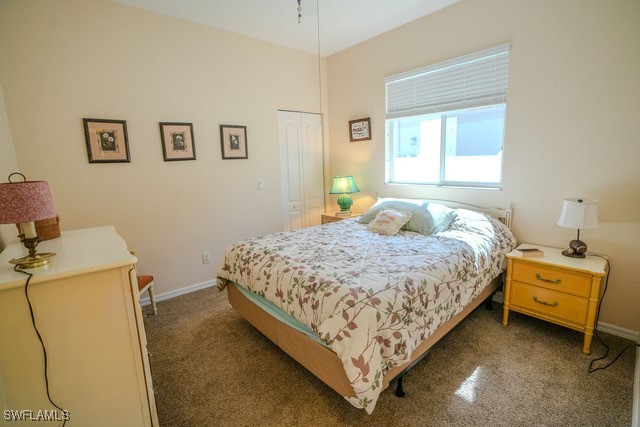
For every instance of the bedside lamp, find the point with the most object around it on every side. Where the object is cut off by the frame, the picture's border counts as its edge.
(23, 203)
(344, 185)
(579, 214)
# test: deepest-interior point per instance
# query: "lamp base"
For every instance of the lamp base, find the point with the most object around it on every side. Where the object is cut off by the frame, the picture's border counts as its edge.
(345, 202)
(33, 261)
(577, 249)
(569, 252)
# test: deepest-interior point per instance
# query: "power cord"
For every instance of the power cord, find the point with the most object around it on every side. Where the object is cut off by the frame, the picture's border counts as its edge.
(595, 327)
(44, 349)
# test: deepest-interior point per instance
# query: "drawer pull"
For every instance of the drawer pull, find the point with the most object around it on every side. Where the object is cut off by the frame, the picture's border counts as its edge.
(550, 304)
(539, 277)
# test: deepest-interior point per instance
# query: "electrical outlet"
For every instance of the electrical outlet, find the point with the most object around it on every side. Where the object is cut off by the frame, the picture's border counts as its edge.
(206, 257)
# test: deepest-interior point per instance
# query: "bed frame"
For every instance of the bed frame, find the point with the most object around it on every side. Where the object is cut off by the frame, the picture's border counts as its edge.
(323, 362)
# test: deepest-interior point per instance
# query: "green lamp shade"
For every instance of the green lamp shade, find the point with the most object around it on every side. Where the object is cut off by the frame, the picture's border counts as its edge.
(344, 185)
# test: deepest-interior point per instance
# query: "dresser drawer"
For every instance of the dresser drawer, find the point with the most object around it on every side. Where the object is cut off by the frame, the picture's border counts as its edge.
(552, 278)
(550, 303)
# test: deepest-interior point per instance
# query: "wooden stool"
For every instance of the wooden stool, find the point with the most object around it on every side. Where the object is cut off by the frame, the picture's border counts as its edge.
(145, 283)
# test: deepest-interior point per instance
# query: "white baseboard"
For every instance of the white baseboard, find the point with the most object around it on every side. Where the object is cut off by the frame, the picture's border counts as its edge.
(618, 331)
(178, 292)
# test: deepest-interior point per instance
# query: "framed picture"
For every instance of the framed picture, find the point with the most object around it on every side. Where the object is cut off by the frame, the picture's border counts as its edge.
(234, 142)
(360, 130)
(107, 140)
(177, 141)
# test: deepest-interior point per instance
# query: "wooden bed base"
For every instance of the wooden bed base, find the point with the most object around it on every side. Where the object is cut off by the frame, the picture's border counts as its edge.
(323, 362)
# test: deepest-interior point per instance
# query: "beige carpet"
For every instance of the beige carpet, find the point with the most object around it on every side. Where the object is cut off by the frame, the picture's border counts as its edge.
(210, 368)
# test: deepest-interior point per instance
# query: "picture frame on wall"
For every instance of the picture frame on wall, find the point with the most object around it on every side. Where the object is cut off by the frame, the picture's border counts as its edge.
(360, 129)
(233, 141)
(106, 140)
(177, 141)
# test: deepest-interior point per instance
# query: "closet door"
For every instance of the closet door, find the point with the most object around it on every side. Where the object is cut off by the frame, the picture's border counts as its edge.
(301, 168)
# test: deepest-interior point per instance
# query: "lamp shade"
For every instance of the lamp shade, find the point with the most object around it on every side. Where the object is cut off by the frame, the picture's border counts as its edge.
(344, 185)
(579, 213)
(25, 201)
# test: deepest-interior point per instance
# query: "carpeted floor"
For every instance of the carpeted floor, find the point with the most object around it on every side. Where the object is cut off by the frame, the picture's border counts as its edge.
(210, 367)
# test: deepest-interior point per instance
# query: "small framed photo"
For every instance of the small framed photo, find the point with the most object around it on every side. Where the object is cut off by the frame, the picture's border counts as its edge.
(234, 142)
(177, 141)
(107, 140)
(360, 130)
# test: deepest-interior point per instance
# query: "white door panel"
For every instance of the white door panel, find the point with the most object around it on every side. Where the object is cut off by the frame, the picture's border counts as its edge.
(313, 174)
(293, 167)
(302, 171)
(295, 220)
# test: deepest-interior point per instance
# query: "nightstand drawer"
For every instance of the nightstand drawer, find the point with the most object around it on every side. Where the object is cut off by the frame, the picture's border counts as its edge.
(325, 219)
(550, 303)
(552, 278)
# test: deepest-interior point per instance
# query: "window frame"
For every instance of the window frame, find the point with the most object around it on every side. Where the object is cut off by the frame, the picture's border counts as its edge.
(391, 146)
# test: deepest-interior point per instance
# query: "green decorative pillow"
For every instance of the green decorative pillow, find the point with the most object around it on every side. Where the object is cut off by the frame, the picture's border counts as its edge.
(427, 218)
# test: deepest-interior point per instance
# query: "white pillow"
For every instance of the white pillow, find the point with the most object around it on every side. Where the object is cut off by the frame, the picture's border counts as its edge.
(389, 221)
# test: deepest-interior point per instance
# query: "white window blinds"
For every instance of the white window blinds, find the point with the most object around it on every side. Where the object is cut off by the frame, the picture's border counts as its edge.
(473, 80)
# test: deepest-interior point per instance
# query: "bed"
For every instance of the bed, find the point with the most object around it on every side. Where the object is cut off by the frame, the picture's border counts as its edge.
(358, 308)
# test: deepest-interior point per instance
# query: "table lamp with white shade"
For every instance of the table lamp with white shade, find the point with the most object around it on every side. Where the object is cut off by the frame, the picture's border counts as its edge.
(580, 214)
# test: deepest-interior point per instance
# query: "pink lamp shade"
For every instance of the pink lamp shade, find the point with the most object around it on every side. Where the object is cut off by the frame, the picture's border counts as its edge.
(25, 201)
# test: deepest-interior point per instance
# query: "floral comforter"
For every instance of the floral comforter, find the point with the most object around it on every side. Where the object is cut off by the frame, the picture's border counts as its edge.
(371, 298)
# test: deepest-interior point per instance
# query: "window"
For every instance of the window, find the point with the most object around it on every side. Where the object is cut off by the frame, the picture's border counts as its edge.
(445, 122)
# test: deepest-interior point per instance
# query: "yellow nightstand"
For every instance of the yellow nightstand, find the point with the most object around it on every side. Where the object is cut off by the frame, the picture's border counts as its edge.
(326, 218)
(555, 288)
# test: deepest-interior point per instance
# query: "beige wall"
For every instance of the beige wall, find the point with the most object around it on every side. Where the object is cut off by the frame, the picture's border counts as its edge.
(573, 119)
(65, 60)
(8, 165)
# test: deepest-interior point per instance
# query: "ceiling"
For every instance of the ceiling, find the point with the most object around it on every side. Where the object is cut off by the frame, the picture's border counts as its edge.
(342, 23)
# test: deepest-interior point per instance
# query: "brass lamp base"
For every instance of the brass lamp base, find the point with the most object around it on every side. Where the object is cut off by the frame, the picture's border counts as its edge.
(33, 261)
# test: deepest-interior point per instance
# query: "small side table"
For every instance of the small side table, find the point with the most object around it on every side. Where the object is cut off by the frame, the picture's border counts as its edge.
(556, 288)
(326, 218)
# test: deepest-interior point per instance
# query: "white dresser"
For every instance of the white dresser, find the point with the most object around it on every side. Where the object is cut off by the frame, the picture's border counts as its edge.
(86, 309)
